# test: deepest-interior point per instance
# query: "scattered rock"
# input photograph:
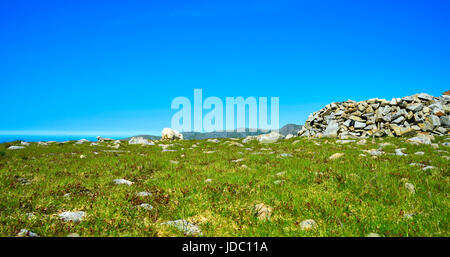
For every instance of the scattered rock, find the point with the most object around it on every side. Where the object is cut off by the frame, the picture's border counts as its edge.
(308, 225)
(101, 139)
(121, 181)
(399, 152)
(26, 233)
(272, 137)
(213, 140)
(24, 181)
(262, 211)
(72, 216)
(280, 174)
(140, 141)
(420, 139)
(146, 206)
(335, 156)
(184, 226)
(374, 152)
(144, 194)
(410, 187)
(13, 147)
(408, 215)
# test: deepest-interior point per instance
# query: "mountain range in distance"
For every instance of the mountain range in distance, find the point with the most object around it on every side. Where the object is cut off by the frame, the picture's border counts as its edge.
(285, 130)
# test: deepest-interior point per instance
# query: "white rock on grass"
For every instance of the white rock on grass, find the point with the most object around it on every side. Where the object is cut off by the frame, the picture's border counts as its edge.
(362, 142)
(73, 235)
(280, 174)
(13, 147)
(122, 181)
(144, 194)
(373, 235)
(272, 137)
(146, 206)
(410, 187)
(213, 140)
(26, 233)
(140, 141)
(286, 155)
(420, 139)
(72, 216)
(399, 152)
(184, 226)
(262, 211)
(308, 225)
(419, 153)
(335, 156)
(428, 168)
(374, 152)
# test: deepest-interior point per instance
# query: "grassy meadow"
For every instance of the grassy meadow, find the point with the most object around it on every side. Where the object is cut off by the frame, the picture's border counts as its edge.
(216, 185)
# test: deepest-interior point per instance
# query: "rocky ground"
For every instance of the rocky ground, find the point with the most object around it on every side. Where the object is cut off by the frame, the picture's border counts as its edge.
(261, 186)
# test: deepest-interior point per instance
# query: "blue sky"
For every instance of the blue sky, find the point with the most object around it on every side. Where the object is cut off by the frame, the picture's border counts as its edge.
(108, 67)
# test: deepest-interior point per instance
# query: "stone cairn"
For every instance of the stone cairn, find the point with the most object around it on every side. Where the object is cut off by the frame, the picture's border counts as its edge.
(407, 116)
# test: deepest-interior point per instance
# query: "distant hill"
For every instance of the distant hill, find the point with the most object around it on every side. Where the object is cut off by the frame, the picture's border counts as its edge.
(290, 129)
(287, 129)
(149, 137)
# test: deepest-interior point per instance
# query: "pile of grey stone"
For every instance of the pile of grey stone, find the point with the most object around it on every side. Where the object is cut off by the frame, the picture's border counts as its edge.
(405, 116)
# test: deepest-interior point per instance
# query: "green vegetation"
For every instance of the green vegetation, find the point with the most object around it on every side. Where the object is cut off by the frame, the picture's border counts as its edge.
(350, 196)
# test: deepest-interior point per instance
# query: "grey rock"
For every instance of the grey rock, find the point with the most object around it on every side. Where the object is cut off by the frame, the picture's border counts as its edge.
(72, 216)
(144, 194)
(262, 211)
(399, 152)
(184, 226)
(13, 147)
(269, 138)
(140, 141)
(332, 129)
(445, 121)
(308, 225)
(420, 139)
(424, 96)
(146, 206)
(359, 125)
(414, 107)
(26, 233)
(122, 181)
(410, 187)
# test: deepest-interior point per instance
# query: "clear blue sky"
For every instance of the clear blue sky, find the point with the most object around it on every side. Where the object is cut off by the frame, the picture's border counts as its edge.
(115, 66)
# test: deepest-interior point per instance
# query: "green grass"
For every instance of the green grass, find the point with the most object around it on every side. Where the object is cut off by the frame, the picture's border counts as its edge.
(349, 196)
